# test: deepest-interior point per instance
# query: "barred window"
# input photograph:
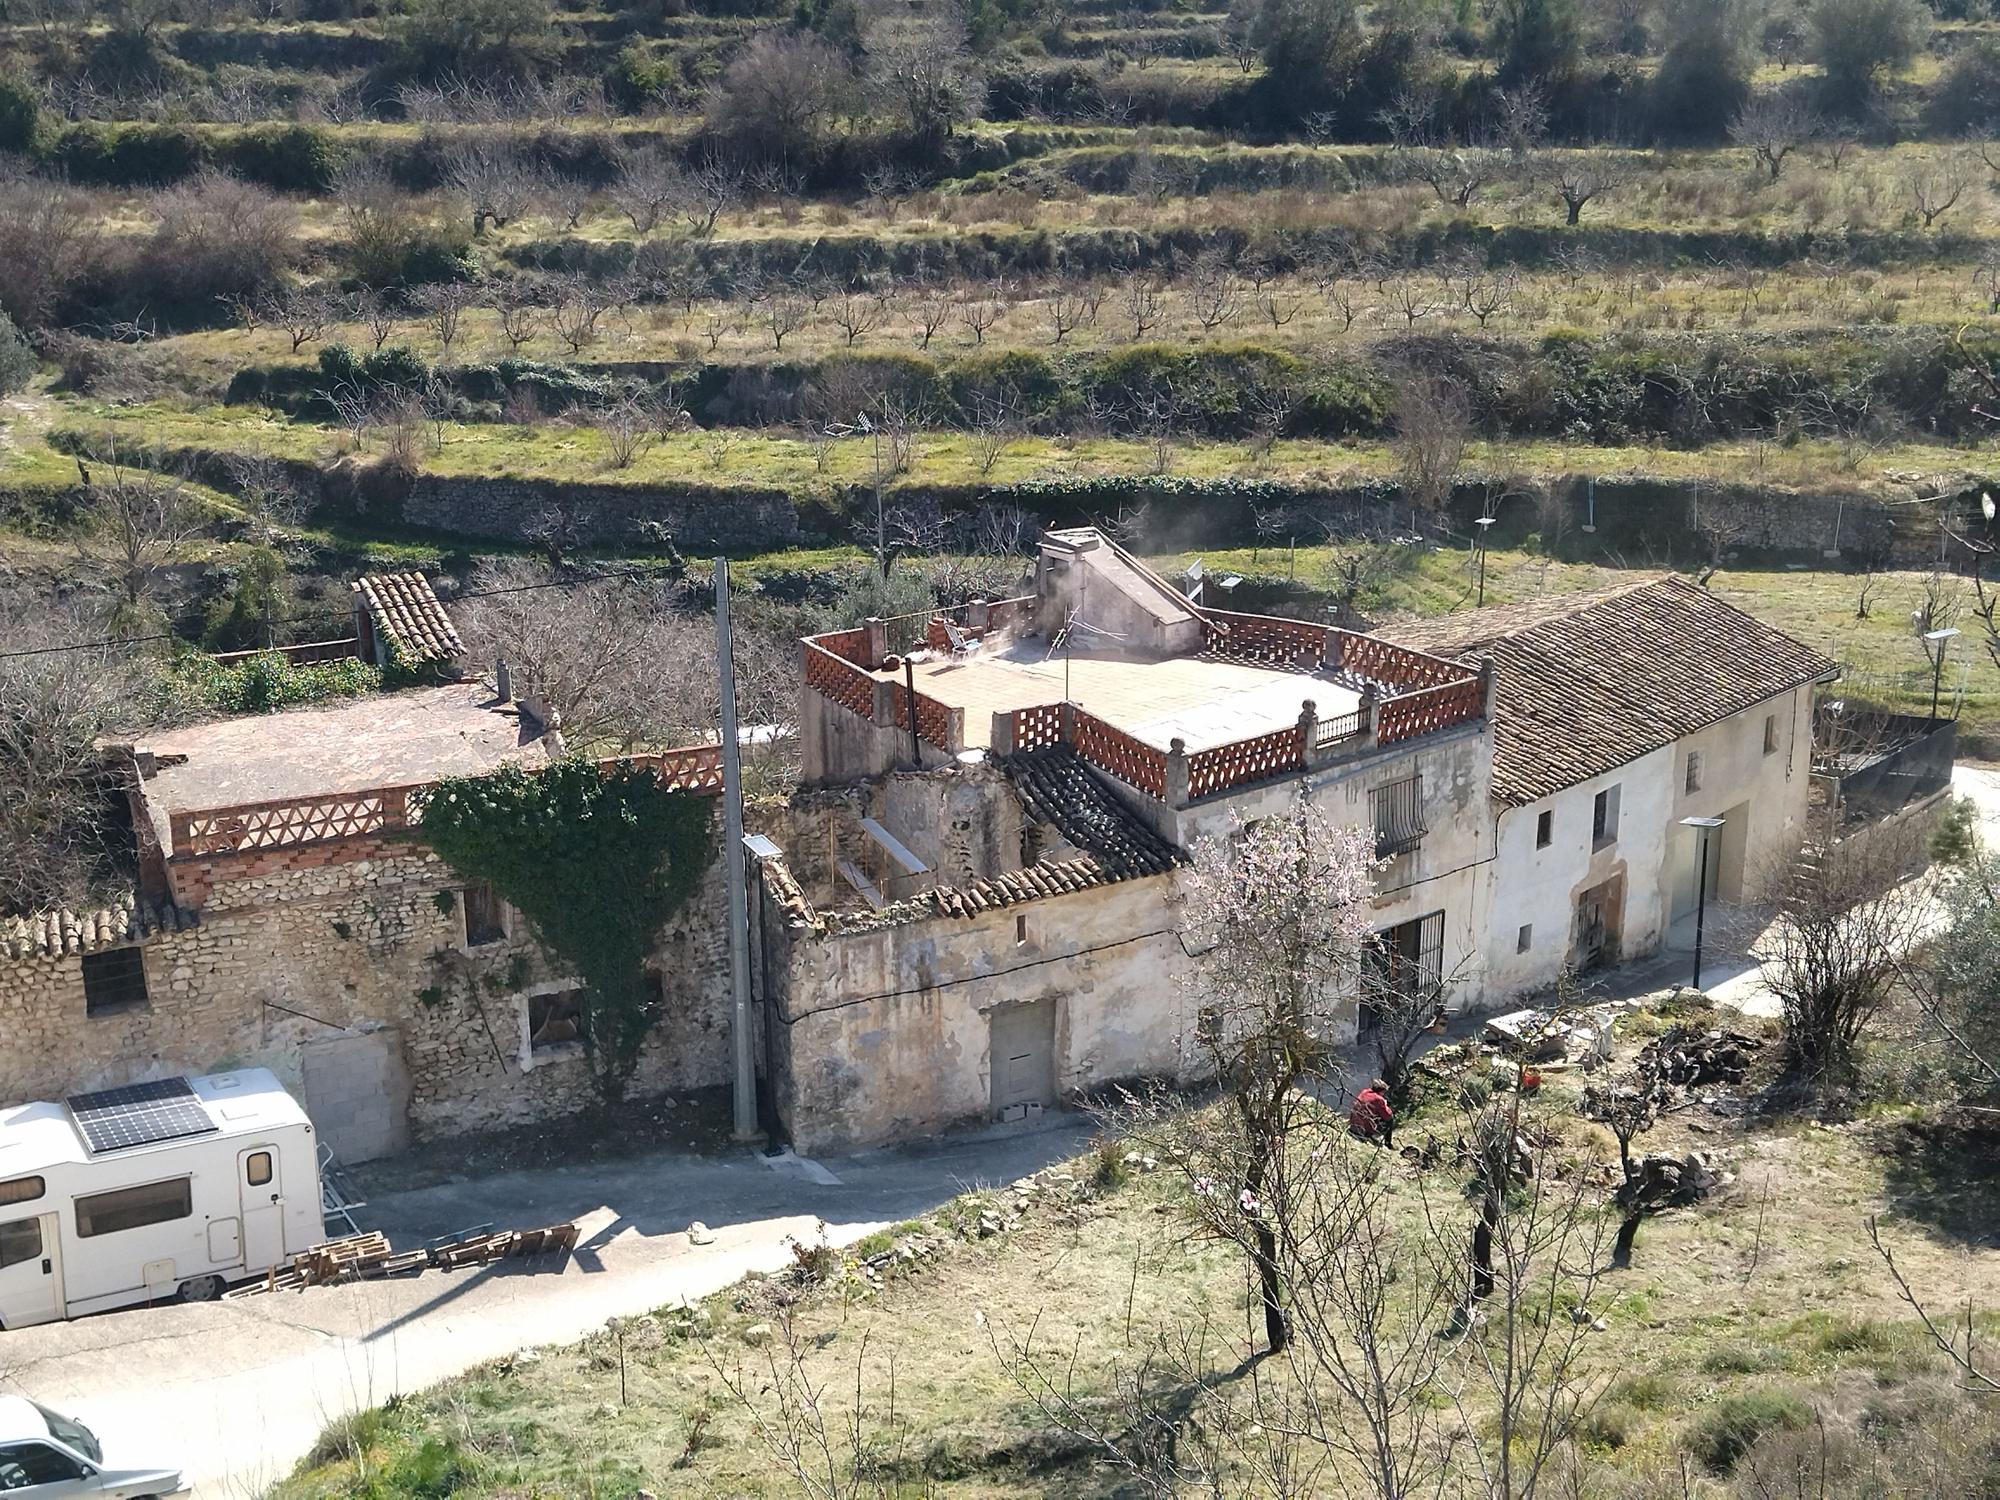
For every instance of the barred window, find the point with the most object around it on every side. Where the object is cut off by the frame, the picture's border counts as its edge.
(114, 980)
(1399, 816)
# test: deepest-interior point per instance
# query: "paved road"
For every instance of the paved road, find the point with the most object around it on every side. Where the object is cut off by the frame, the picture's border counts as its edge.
(237, 1391)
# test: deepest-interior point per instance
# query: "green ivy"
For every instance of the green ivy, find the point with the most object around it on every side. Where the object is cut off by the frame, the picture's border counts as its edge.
(265, 682)
(597, 861)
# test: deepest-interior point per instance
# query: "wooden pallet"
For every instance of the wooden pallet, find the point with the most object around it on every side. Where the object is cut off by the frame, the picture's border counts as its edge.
(369, 1257)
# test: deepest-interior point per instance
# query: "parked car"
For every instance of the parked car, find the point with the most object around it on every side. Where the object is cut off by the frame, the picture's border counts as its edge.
(45, 1455)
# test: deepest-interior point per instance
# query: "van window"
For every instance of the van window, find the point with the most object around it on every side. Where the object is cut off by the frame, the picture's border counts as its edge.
(19, 1241)
(257, 1169)
(21, 1190)
(133, 1207)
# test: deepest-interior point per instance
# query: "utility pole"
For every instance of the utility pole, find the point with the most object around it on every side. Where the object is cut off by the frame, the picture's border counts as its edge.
(732, 847)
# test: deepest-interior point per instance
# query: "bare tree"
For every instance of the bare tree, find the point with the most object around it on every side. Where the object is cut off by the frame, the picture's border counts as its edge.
(784, 312)
(932, 303)
(139, 524)
(1071, 304)
(1214, 293)
(303, 310)
(1520, 119)
(1143, 300)
(1433, 423)
(378, 314)
(621, 670)
(978, 313)
(443, 304)
(1488, 293)
(859, 312)
(1454, 176)
(577, 302)
(1773, 124)
(1576, 177)
(646, 182)
(703, 194)
(1936, 184)
(1831, 955)
(496, 182)
(56, 700)
(517, 308)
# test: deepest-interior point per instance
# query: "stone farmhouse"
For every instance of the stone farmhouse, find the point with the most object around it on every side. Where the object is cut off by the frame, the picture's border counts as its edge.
(970, 909)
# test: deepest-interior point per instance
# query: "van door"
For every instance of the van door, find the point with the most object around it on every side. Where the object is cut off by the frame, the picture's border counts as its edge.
(31, 1283)
(263, 1199)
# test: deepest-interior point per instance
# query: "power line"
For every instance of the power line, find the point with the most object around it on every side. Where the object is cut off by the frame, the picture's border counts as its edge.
(142, 640)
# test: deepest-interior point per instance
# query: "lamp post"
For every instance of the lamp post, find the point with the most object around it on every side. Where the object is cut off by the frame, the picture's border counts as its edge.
(1706, 826)
(1482, 523)
(1934, 644)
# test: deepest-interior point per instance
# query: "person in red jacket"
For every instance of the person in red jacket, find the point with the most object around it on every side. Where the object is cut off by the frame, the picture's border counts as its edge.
(1371, 1118)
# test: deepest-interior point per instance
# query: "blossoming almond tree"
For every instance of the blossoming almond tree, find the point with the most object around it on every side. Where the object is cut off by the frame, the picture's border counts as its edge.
(1278, 912)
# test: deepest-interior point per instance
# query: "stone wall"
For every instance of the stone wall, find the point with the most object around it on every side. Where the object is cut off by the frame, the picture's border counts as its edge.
(886, 1034)
(298, 946)
(609, 514)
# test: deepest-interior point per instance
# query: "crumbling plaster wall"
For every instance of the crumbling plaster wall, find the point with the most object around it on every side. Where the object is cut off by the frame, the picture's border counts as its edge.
(885, 1034)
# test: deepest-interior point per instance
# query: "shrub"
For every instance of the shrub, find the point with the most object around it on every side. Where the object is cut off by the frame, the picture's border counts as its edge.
(1966, 97)
(17, 358)
(266, 682)
(128, 155)
(1732, 1426)
(219, 237)
(1857, 41)
(284, 158)
(20, 115)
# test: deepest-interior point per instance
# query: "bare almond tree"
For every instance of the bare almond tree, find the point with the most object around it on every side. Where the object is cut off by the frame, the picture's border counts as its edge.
(1143, 300)
(646, 181)
(1214, 292)
(444, 304)
(55, 702)
(495, 181)
(1433, 423)
(1936, 184)
(1577, 177)
(136, 524)
(932, 303)
(1773, 124)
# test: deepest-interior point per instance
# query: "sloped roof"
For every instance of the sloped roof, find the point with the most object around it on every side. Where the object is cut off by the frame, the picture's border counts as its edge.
(1585, 683)
(406, 611)
(1055, 787)
(52, 934)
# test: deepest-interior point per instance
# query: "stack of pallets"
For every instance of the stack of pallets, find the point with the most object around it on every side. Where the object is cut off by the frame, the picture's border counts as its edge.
(369, 1257)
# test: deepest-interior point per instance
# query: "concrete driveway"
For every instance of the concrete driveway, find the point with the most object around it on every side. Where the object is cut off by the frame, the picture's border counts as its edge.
(237, 1391)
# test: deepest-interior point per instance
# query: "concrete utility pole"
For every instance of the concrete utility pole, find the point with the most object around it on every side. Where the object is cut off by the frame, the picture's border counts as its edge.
(732, 846)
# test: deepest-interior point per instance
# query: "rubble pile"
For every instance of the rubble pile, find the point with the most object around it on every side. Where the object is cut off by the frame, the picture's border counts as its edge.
(1687, 1056)
(1659, 1182)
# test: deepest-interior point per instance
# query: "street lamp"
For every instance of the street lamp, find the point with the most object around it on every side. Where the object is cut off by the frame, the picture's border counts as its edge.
(1707, 826)
(1482, 523)
(1934, 643)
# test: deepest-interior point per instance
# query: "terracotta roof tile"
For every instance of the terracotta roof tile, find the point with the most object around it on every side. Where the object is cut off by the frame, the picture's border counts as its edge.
(405, 610)
(1585, 683)
(55, 933)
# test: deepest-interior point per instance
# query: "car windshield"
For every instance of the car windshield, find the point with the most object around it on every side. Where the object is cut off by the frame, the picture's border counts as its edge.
(78, 1436)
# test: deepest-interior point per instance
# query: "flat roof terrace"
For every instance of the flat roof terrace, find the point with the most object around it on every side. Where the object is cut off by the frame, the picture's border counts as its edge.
(1205, 701)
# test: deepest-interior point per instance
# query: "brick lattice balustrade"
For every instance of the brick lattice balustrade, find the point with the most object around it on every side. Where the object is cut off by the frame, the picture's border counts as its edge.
(1279, 753)
(1394, 666)
(1038, 727)
(933, 718)
(1111, 749)
(290, 822)
(1430, 710)
(1264, 638)
(838, 678)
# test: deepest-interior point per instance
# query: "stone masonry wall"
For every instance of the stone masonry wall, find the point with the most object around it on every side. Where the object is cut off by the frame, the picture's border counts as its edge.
(350, 937)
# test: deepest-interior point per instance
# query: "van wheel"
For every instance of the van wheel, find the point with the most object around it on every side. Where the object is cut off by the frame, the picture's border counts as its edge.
(200, 1289)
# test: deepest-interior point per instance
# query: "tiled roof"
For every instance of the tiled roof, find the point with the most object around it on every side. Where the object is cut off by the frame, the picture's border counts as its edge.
(55, 933)
(405, 610)
(1585, 683)
(1056, 788)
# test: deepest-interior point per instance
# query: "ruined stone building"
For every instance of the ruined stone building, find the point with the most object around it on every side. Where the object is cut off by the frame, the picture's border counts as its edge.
(970, 910)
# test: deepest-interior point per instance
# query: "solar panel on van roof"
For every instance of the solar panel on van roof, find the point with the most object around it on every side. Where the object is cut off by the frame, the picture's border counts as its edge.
(139, 1114)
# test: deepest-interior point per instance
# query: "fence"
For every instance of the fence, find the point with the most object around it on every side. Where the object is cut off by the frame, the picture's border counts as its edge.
(290, 822)
(1263, 638)
(838, 678)
(1110, 748)
(304, 654)
(1279, 753)
(1394, 666)
(1429, 710)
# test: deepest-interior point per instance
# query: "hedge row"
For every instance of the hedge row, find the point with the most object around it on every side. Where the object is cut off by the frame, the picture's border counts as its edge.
(1681, 389)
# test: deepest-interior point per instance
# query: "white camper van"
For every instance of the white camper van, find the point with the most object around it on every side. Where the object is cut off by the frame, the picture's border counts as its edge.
(151, 1191)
